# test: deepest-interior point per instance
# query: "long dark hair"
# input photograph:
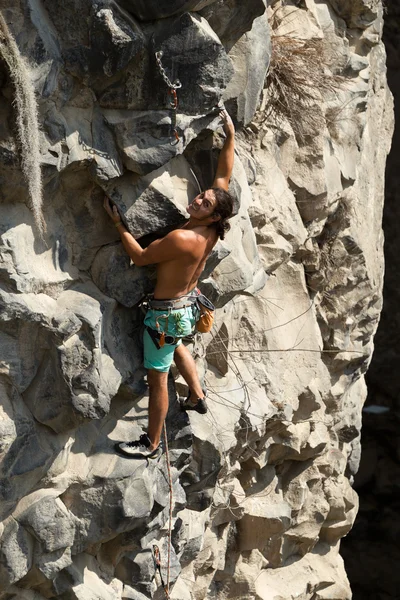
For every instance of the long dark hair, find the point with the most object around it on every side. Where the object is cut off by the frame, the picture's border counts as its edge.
(224, 209)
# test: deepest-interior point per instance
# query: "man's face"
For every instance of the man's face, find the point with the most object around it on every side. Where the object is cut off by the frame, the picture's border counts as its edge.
(203, 206)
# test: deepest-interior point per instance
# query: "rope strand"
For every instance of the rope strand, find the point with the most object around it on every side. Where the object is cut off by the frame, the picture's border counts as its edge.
(166, 588)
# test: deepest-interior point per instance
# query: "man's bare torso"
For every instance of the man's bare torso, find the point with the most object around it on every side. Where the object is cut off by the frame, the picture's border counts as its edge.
(179, 276)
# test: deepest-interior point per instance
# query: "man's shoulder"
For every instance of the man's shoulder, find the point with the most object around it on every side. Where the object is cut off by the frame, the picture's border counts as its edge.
(182, 235)
(188, 241)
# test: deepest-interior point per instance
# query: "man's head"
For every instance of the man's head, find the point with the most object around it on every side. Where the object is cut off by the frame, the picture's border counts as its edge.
(213, 207)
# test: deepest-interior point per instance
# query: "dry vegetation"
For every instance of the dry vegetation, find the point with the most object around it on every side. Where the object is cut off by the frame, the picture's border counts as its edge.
(300, 72)
(26, 121)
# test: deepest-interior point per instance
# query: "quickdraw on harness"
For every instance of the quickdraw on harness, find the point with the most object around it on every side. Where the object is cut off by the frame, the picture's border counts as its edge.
(173, 86)
(157, 566)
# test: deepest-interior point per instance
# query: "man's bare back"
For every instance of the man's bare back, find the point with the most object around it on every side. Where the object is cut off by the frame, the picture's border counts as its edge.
(179, 276)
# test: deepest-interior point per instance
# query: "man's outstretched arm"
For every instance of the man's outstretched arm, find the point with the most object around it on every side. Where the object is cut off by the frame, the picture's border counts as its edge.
(167, 248)
(227, 154)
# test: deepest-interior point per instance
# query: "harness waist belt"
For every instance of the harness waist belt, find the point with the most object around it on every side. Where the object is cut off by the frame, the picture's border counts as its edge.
(173, 304)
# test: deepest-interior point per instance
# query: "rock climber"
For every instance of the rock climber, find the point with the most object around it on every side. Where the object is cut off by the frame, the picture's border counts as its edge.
(180, 257)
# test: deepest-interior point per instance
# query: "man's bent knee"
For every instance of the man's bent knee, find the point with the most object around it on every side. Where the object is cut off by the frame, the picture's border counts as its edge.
(157, 378)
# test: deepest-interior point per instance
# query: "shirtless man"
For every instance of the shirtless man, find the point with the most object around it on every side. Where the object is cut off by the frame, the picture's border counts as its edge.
(180, 258)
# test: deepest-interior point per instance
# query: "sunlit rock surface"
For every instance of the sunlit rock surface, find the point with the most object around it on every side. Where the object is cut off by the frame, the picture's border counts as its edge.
(262, 484)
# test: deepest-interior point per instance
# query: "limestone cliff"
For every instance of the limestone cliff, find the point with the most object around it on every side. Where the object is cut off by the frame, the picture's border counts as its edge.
(261, 485)
(371, 552)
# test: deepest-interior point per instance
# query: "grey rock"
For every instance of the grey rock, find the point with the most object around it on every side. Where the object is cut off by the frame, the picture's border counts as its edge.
(113, 42)
(250, 67)
(50, 523)
(118, 39)
(148, 11)
(78, 204)
(230, 19)
(39, 396)
(71, 372)
(132, 88)
(105, 500)
(51, 563)
(116, 278)
(144, 562)
(153, 203)
(360, 13)
(161, 486)
(72, 368)
(129, 593)
(217, 351)
(219, 252)
(264, 523)
(137, 495)
(16, 550)
(107, 160)
(82, 580)
(241, 270)
(123, 334)
(69, 24)
(27, 456)
(146, 139)
(16, 593)
(193, 53)
(200, 476)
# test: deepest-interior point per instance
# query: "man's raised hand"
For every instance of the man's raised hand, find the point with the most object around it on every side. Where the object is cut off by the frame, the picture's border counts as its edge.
(226, 156)
(111, 210)
(227, 123)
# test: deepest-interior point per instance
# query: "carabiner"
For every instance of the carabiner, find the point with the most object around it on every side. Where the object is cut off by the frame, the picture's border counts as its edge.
(177, 138)
(174, 103)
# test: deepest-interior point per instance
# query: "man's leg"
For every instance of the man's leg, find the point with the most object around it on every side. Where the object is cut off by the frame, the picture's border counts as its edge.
(157, 361)
(158, 405)
(187, 368)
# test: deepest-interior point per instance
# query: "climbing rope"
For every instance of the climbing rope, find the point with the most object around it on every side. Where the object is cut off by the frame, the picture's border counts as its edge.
(170, 507)
(173, 86)
(156, 550)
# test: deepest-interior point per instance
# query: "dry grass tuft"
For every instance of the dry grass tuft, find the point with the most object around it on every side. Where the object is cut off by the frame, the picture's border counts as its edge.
(27, 121)
(299, 75)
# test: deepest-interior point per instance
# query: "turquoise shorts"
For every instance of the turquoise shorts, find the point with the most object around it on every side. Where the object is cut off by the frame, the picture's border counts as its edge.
(176, 323)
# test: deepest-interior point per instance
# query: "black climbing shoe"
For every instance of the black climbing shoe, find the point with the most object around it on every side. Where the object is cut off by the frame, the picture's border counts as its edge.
(139, 448)
(200, 406)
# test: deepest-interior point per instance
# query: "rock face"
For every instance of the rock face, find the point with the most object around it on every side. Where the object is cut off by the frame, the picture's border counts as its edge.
(371, 552)
(261, 486)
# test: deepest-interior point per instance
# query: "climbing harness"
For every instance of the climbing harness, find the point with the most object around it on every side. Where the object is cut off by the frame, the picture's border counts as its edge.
(156, 550)
(159, 336)
(173, 86)
(203, 324)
